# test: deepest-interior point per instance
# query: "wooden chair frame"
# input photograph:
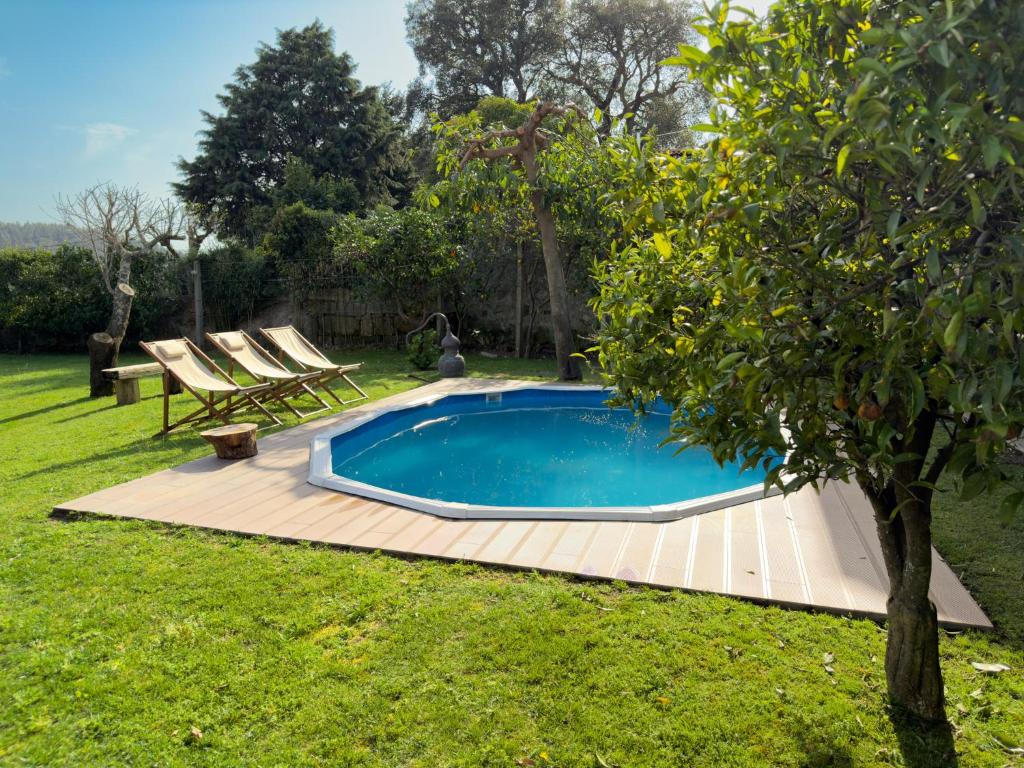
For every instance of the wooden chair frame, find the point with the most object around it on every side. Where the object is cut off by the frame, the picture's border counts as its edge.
(217, 405)
(282, 390)
(325, 374)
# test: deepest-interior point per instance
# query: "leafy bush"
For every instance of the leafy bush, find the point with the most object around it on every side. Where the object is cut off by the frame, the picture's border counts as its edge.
(55, 299)
(298, 244)
(409, 256)
(236, 281)
(422, 349)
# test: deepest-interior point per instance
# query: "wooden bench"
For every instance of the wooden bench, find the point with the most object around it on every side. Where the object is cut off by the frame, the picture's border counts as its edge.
(126, 381)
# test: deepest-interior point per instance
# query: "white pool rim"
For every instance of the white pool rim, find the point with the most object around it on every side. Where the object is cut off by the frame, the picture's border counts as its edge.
(322, 474)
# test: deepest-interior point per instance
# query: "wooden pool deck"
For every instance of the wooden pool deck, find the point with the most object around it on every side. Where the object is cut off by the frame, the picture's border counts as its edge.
(807, 550)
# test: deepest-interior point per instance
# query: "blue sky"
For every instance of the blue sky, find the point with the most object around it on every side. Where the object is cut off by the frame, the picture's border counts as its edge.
(110, 90)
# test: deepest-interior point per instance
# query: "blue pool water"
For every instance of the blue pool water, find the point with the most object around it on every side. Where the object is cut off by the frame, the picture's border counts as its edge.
(534, 448)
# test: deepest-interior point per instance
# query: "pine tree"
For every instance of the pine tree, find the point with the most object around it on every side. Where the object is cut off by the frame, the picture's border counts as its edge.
(299, 99)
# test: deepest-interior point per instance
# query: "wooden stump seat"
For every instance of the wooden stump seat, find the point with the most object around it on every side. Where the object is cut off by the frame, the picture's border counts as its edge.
(233, 441)
(126, 380)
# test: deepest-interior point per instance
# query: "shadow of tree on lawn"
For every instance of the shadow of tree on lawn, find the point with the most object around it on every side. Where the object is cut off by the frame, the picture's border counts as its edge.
(924, 745)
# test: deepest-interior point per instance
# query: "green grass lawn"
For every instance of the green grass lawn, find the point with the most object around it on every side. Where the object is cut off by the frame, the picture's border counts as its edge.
(131, 643)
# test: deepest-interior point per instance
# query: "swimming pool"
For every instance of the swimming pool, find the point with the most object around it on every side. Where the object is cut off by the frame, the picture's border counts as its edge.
(530, 452)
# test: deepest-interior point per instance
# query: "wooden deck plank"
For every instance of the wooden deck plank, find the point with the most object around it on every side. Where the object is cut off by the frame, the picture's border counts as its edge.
(669, 566)
(825, 581)
(707, 571)
(637, 553)
(812, 550)
(746, 576)
(536, 547)
(571, 546)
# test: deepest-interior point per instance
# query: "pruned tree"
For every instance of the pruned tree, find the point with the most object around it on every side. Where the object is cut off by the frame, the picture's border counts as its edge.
(118, 224)
(519, 150)
(611, 53)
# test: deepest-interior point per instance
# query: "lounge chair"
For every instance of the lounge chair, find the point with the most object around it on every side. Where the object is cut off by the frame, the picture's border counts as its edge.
(242, 350)
(300, 351)
(185, 362)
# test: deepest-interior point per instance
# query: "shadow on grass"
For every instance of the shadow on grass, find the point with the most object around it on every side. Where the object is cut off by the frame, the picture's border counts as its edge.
(146, 445)
(924, 745)
(46, 409)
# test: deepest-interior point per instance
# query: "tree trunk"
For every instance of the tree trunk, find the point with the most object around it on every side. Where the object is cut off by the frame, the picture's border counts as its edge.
(105, 347)
(519, 298)
(903, 519)
(568, 366)
(102, 354)
(197, 295)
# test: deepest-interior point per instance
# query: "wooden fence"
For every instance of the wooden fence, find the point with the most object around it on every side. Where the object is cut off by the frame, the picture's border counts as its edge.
(339, 318)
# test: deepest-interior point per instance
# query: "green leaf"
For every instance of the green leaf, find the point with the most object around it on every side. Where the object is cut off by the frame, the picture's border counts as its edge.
(729, 359)
(952, 332)
(841, 159)
(991, 151)
(435, 201)
(940, 52)
(662, 244)
(978, 213)
(688, 54)
(892, 225)
(1011, 505)
(918, 399)
(872, 65)
(933, 265)
(974, 486)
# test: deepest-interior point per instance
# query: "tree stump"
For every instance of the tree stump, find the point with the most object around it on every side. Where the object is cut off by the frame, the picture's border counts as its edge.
(102, 354)
(233, 441)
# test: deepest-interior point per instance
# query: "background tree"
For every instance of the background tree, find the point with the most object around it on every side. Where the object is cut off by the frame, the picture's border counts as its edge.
(468, 49)
(519, 157)
(605, 54)
(838, 278)
(119, 224)
(610, 56)
(33, 234)
(297, 100)
(49, 299)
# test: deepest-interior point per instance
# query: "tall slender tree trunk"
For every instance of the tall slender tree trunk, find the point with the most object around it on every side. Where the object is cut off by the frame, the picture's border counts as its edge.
(903, 519)
(561, 321)
(519, 298)
(197, 299)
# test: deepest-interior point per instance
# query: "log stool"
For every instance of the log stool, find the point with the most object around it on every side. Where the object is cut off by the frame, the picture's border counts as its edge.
(233, 441)
(126, 380)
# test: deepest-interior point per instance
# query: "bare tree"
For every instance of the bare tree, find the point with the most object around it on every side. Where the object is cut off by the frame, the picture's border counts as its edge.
(118, 224)
(529, 139)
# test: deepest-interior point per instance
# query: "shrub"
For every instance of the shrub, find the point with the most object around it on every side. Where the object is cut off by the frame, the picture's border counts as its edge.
(407, 256)
(236, 282)
(422, 349)
(54, 299)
